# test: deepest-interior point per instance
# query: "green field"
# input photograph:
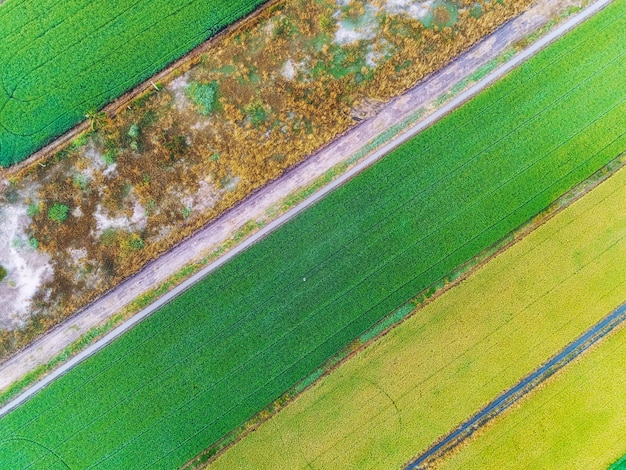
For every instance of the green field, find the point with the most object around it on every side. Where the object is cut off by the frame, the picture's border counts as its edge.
(61, 60)
(212, 358)
(459, 352)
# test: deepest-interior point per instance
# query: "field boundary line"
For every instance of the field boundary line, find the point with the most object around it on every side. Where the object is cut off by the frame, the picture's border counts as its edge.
(511, 396)
(351, 173)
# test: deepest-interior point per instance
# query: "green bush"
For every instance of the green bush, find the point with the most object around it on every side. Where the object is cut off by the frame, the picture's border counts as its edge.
(134, 131)
(33, 210)
(110, 156)
(137, 243)
(58, 212)
(256, 112)
(3, 273)
(203, 96)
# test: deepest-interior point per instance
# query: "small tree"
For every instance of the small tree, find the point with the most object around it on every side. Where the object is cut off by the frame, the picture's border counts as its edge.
(96, 118)
(3, 273)
(58, 212)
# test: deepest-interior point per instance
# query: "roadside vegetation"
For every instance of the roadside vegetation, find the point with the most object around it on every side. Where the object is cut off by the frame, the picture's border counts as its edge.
(212, 358)
(262, 98)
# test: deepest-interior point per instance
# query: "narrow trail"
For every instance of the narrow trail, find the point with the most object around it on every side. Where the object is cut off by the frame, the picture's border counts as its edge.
(508, 398)
(215, 233)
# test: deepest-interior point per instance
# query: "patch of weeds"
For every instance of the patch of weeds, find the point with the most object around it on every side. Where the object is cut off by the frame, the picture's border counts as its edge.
(341, 62)
(254, 77)
(442, 99)
(150, 207)
(255, 112)
(110, 156)
(33, 209)
(149, 118)
(108, 237)
(97, 119)
(176, 145)
(459, 87)
(404, 65)
(328, 24)
(3, 273)
(125, 190)
(80, 181)
(318, 42)
(80, 141)
(284, 28)
(476, 11)
(227, 69)
(58, 212)
(136, 243)
(142, 100)
(506, 56)
(444, 14)
(204, 96)
(33, 243)
(483, 70)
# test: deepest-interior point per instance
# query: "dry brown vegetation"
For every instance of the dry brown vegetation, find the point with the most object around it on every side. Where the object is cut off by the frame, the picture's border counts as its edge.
(264, 97)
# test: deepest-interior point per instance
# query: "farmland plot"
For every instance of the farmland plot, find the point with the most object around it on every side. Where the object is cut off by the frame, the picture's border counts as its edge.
(577, 420)
(418, 382)
(230, 345)
(61, 60)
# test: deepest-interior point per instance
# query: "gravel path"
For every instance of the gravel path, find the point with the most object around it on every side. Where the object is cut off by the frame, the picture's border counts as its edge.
(222, 229)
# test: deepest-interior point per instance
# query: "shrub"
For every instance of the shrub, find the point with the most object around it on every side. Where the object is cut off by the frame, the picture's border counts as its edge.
(134, 131)
(256, 112)
(80, 181)
(33, 210)
(3, 273)
(58, 212)
(203, 96)
(110, 156)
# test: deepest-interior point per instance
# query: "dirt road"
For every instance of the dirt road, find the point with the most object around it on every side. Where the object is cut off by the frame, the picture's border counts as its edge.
(257, 207)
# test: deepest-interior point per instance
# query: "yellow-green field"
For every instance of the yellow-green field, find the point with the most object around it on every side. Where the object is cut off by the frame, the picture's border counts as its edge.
(395, 398)
(576, 421)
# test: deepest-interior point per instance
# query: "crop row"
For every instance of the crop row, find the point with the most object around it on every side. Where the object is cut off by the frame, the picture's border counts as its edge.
(61, 60)
(216, 355)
